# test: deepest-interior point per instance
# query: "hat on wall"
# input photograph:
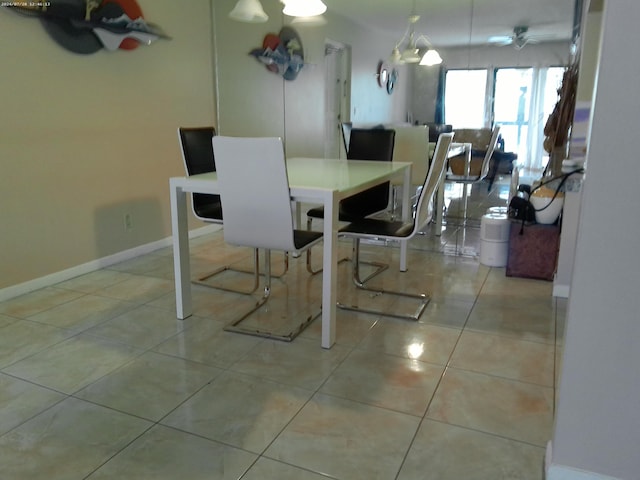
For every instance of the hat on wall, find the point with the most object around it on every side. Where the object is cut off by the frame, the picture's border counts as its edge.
(282, 53)
(86, 26)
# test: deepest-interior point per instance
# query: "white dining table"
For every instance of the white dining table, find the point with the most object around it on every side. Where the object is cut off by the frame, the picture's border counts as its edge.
(311, 180)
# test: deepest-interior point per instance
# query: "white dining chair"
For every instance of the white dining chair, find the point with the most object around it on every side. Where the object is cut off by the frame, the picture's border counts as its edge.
(480, 159)
(254, 190)
(479, 164)
(411, 145)
(382, 229)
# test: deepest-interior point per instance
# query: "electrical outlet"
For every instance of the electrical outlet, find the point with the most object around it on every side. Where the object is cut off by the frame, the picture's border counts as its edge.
(128, 221)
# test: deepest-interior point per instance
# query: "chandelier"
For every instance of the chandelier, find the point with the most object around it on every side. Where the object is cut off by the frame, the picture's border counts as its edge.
(411, 53)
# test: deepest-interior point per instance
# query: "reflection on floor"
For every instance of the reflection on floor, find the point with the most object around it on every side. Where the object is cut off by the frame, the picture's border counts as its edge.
(99, 380)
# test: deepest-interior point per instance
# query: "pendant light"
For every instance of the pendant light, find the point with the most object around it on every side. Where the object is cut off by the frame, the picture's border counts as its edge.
(249, 11)
(303, 8)
(411, 52)
(432, 57)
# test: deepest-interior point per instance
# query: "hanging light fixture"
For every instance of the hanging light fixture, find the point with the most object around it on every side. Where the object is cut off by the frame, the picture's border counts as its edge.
(249, 11)
(411, 52)
(303, 8)
(430, 58)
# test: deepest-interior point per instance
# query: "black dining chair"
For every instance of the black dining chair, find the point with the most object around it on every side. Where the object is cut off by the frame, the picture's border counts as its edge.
(382, 229)
(364, 144)
(197, 155)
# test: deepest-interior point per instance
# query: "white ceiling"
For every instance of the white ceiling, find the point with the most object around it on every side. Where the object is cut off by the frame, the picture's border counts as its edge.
(462, 22)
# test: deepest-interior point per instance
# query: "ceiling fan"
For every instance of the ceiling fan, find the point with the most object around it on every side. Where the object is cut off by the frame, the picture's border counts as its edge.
(518, 39)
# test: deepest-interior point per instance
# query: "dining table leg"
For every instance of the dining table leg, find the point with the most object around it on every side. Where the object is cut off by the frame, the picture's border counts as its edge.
(180, 238)
(329, 270)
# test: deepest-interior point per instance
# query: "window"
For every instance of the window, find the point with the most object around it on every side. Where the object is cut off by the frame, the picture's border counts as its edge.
(511, 107)
(464, 98)
(518, 99)
(523, 100)
(551, 81)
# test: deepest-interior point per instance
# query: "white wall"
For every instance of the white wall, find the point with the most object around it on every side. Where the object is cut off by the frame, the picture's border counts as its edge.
(88, 138)
(253, 101)
(597, 430)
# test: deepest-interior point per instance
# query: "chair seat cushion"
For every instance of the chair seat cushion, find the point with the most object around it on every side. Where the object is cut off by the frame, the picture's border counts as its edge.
(302, 238)
(316, 212)
(343, 216)
(377, 227)
(208, 207)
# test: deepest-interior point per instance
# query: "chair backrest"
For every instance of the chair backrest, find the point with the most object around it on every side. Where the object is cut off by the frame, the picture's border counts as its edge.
(424, 211)
(483, 142)
(495, 134)
(435, 129)
(412, 145)
(369, 144)
(197, 156)
(254, 189)
(479, 138)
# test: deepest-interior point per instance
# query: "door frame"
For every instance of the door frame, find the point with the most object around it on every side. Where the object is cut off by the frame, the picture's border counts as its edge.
(337, 60)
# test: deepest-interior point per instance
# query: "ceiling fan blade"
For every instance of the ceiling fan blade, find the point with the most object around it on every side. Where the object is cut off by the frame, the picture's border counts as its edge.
(501, 40)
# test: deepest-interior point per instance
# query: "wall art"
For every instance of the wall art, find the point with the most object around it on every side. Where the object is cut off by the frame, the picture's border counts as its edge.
(87, 26)
(281, 53)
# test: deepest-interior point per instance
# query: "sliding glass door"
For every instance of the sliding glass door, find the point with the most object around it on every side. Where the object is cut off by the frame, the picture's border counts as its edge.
(512, 107)
(518, 99)
(523, 100)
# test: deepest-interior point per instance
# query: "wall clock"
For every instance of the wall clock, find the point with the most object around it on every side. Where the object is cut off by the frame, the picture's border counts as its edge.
(383, 74)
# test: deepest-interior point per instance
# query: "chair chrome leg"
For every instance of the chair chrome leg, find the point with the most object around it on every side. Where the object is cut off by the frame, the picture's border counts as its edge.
(357, 281)
(235, 326)
(256, 273)
(361, 284)
(309, 267)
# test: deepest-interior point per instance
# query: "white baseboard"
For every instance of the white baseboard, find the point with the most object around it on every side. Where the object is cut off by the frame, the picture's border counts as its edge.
(561, 291)
(57, 277)
(562, 472)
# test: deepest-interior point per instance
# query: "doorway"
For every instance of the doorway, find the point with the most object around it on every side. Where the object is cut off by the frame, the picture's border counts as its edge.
(337, 61)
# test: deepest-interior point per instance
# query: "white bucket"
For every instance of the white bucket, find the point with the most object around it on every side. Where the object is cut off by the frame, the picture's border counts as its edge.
(494, 239)
(547, 215)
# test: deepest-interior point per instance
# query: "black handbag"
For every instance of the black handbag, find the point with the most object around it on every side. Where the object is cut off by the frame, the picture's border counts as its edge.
(521, 209)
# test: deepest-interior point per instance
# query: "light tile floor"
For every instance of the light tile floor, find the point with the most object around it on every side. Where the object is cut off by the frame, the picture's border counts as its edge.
(98, 380)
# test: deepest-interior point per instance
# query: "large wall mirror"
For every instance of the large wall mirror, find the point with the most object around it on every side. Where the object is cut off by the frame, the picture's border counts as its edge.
(252, 101)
